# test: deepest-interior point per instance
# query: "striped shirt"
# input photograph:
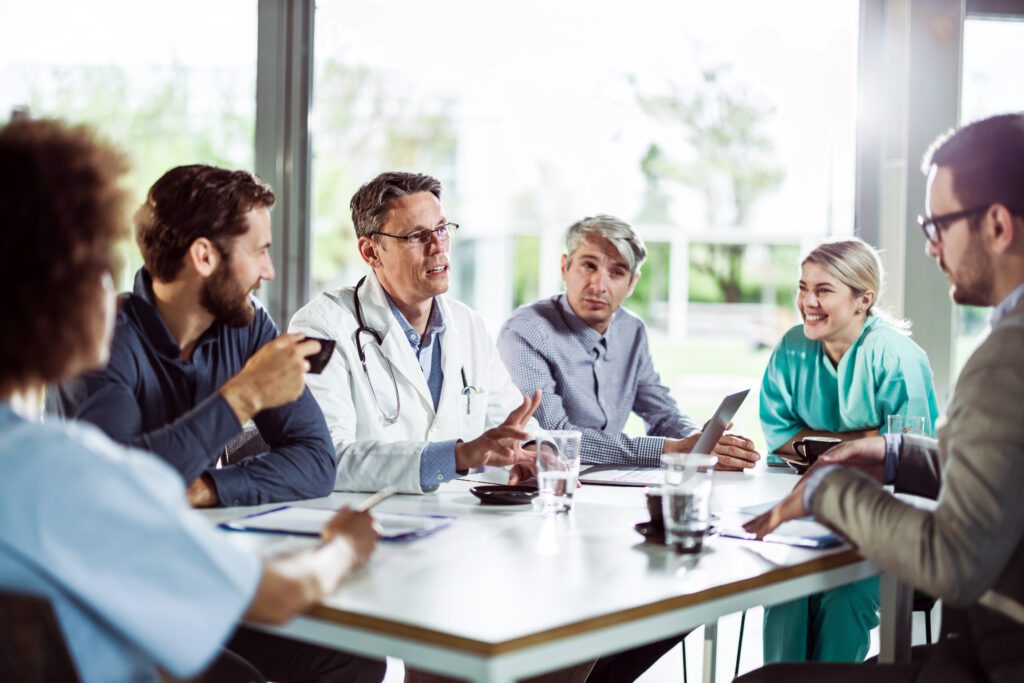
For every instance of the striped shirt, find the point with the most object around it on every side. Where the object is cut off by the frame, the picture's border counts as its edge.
(592, 382)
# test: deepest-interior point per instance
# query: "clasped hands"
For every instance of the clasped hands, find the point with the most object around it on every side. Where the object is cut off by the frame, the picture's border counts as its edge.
(867, 455)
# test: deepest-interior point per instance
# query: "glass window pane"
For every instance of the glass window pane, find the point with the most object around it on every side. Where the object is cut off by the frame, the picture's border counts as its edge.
(992, 84)
(171, 82)
(723, 131)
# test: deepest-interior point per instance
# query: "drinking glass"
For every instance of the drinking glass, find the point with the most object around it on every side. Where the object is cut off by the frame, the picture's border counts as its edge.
(906, 424)
(686, 499)
(558, 468)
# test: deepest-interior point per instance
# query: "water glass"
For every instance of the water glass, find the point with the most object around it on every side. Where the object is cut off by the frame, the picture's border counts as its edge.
(558, 468)
(686, 499)
(906, 424)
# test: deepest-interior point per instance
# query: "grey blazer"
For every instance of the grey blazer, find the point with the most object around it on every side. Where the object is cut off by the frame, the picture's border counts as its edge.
(969, 550)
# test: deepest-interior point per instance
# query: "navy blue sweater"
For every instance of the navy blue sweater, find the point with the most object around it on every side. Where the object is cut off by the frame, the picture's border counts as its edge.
(148, 397)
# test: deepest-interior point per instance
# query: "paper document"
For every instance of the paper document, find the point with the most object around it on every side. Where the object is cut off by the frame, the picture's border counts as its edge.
(803, 532)
(623, 475)
(307, 521)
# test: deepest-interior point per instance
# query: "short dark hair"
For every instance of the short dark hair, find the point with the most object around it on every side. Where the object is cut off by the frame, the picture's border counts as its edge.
(189, 202)
(987, 161)
(63, 208)
(371, 202)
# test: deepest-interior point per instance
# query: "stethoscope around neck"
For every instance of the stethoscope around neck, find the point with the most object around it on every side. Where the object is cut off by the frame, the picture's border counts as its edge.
(365, 329)
(467, 389)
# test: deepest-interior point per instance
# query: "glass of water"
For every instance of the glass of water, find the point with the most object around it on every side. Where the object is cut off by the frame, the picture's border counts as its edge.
(686, 499)
(558, 468)
(906, 424)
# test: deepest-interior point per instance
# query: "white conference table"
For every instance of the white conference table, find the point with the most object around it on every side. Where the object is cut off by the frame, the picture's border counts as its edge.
(504, 593)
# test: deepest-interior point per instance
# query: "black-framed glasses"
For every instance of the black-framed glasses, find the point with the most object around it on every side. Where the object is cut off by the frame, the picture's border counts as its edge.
(421, 238)
(933, 227)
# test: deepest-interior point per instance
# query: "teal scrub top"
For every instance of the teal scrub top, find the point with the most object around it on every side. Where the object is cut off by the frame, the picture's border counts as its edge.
(884, 373)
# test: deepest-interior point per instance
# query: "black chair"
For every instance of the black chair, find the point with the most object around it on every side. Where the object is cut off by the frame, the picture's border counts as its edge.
(32, 647)
(922, 602)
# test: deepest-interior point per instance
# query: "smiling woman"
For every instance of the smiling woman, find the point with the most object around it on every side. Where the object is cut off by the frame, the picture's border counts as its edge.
(840, 283)
(841, 373)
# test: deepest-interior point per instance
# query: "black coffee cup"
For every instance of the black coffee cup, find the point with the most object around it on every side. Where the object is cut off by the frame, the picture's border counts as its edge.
(655, 510)
(811, 447)
(318, 360)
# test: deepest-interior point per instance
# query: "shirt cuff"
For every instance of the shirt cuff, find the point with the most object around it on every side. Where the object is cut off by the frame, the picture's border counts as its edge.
(813, 481)
(437, 464)
(893, 447)
(233, 487)
(649, 450)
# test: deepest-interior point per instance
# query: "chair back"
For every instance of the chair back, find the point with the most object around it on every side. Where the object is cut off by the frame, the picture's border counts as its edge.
(32, 647)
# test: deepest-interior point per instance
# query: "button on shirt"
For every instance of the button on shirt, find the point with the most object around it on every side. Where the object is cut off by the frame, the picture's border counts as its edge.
(149, 397)
(592, 382)
(437, 461)
(135, 577)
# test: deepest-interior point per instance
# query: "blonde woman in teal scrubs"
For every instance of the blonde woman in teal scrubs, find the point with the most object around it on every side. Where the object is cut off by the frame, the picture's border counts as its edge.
(841, 373)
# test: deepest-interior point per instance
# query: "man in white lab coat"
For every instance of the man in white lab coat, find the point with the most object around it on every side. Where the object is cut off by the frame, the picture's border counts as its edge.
(415, 393)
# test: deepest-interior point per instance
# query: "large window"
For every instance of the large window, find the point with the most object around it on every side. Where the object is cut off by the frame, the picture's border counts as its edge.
(992, 84)
(723, 131)
(170, 82)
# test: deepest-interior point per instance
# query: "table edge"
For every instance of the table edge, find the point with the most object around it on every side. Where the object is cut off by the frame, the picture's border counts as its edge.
(398, 629)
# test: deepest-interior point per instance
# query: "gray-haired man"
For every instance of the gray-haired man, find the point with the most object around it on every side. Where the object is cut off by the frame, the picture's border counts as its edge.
(591, 360)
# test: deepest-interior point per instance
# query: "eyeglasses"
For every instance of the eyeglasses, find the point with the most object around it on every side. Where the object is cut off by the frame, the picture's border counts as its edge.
(421, 238)
(933, 227)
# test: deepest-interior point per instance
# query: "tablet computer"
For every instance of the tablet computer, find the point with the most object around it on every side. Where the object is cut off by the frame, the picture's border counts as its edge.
(715, 427)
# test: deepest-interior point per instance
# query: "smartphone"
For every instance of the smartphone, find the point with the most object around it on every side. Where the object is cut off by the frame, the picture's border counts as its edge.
(318, 360)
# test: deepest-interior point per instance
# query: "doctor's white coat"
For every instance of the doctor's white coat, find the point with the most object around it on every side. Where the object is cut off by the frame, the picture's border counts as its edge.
(372, 453)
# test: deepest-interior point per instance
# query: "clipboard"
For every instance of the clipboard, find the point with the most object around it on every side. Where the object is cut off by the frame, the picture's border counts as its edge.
(294, 520)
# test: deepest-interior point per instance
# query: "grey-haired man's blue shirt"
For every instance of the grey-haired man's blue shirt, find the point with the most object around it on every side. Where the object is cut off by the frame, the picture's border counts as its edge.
(592, 382)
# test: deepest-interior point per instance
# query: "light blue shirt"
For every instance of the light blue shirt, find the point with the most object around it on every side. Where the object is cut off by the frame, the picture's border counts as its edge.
(136, 578)
(592, 382)
(437, 460)
(1006, 305)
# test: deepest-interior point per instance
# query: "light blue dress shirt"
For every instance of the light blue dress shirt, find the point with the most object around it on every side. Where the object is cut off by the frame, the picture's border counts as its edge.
(592, 382)
(1006, 305)
(437, 461)
(136, 578)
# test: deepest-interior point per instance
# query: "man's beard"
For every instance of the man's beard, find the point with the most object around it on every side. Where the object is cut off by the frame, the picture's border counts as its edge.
(225, 299)
(974, 284)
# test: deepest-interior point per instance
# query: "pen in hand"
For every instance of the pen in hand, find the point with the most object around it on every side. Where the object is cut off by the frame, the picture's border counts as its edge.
(367, 503)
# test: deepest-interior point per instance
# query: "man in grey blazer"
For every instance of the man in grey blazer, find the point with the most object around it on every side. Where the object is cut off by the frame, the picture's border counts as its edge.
(969, 550)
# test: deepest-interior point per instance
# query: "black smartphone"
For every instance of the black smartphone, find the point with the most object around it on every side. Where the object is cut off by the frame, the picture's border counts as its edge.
(318, 360)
